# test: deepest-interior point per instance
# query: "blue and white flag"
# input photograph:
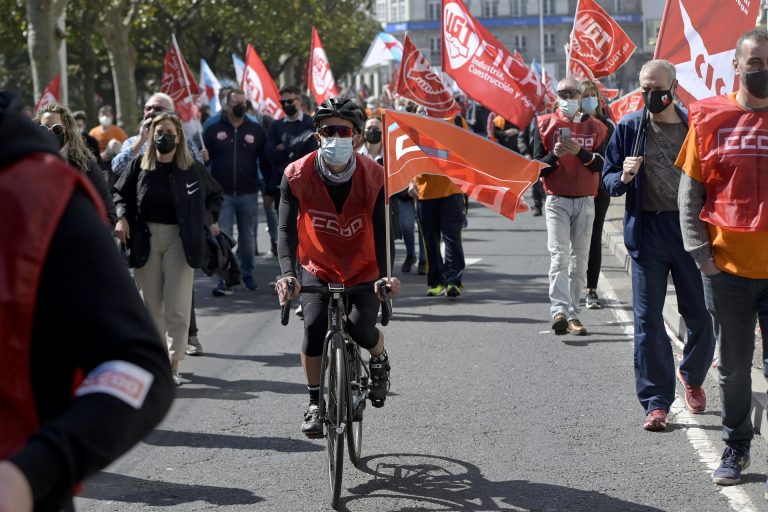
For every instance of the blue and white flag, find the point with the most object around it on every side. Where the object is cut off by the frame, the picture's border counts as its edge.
(210, 87)
(384, 49)
(239, 69)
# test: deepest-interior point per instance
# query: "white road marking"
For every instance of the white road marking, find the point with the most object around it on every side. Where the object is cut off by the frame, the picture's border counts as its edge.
(471, 261)
(697, 436)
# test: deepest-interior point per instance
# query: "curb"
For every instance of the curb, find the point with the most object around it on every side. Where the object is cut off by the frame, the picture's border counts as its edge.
(613, 238)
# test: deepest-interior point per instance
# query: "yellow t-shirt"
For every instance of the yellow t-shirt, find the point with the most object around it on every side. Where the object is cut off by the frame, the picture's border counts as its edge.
(433, 186)
(744, 253)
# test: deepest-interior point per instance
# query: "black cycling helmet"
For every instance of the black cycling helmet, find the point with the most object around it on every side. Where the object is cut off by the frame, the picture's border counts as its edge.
(343, 108)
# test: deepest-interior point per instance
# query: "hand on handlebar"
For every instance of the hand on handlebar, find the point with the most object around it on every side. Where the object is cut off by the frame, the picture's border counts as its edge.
(392, 285)
(287, 288)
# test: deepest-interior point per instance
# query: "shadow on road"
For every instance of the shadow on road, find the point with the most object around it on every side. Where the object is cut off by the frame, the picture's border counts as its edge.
(418, 481)
(284, 360)
(220, 389)
(207, 440)
(128, 489)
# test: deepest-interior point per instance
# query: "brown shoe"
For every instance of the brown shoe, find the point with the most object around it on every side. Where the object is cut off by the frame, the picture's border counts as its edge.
(695, 398)
(559, 324)
(656, 420)
(576, 327)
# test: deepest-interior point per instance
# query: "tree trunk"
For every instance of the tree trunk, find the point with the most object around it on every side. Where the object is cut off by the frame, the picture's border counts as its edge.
(43, 41)
(115, 31)
(90, 68)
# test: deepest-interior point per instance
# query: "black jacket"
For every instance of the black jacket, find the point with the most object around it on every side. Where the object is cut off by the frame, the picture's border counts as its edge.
(197, 199)
(236, 155)
(298, 141)
(99, 181)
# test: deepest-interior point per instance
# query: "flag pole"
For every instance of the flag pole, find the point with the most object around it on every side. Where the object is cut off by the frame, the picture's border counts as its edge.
(186, 84)
(570, 41)
(387, 229)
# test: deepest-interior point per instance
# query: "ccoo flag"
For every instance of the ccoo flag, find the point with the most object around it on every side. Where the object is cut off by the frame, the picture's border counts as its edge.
(51, 94)
(597, 42)
(488, 173)
(485, 69)
(179, 84)
(259, 86)
(419, 83)
(210, 87)
(321, 81)
(699, 38)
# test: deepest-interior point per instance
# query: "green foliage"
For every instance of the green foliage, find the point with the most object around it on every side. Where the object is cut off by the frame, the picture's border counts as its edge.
(15, 72)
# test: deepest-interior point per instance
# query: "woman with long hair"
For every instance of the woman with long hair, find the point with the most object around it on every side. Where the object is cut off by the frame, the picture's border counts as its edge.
(165, 202)
(72, 148)
(591, 104)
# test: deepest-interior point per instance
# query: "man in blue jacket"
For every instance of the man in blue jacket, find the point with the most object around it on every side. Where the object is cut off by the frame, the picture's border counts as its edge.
(236, 148)
(654, 241)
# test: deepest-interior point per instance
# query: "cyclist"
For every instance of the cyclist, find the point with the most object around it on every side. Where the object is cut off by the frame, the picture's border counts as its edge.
(332, 219)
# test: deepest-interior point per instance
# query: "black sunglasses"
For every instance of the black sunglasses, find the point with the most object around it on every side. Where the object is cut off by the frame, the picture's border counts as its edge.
(288, 102)
(340, 131)
(568, 94)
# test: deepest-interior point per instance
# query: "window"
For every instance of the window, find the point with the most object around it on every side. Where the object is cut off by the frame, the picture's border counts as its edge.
(393, 13)
(549, 42)
(381, 9)
(402, 10)
(433, 9)
(519, 7)
(549, 7)
(519, 43)
(618, 5)
(434, 51)
(490, 8)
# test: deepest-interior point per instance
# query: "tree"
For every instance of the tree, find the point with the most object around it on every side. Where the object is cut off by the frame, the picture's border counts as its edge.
(44, 40)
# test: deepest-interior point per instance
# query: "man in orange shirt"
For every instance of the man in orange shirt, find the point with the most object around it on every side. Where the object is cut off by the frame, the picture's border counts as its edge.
(723, 199)
(106, 131)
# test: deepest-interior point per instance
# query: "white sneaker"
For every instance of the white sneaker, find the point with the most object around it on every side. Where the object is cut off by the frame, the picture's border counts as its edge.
(176, 377)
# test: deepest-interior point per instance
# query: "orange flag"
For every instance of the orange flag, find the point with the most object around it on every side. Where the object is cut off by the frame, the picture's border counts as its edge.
(488, 173)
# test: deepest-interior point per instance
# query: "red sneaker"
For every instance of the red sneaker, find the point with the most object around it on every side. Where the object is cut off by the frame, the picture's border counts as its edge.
(695, 398)
(656, 420)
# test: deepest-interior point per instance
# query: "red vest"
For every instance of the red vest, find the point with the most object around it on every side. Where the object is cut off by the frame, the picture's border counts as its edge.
(337, 248)
(571, 177)
(733, 150)
(34, 192)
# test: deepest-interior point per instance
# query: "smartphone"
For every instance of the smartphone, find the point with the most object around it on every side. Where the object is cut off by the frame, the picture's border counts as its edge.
(565, 133)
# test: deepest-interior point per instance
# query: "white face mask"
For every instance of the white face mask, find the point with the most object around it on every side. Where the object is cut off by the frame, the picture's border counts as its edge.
(105, 121)
(568, 107)
(589, 105)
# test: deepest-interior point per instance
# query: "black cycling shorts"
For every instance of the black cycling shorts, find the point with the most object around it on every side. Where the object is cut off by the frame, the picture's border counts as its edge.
(361, 321)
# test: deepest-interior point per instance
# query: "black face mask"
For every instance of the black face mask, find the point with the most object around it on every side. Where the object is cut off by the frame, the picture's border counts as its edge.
(657, 101)
(756, 83)
(238, 110)
(165, 143)
(373, 135)
(290, 109)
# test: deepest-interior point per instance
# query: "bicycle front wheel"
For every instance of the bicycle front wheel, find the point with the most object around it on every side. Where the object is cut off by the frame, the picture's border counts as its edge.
(356, 404)
(336, 416)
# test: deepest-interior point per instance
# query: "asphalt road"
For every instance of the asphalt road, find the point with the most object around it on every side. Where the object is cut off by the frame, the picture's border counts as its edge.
(488, 410)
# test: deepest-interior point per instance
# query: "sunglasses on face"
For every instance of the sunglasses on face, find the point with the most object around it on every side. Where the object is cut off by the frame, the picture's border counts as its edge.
(287, 102)
(336, 131)
(568, 94)
(56, 129)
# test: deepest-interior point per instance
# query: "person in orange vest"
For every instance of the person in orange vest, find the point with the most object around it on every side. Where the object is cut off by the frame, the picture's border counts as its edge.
(723, 202)
(572, 148)
(332, 224)
(67, 409)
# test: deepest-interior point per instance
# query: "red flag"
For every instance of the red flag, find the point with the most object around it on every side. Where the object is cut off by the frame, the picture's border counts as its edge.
(259, 86)
(488, 173)
(484, 69)
(321, 81)
(51, 94)
(419, 83)
(179, 84)
(699, 38)
(628, 103)
(597, 41)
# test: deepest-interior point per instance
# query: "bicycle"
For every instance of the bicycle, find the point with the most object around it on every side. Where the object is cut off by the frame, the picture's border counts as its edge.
(343, 381)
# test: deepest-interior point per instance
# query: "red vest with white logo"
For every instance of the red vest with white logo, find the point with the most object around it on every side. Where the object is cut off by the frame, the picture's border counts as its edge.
(34, 192)
(733, 150)
(337, 247)
(571, 177)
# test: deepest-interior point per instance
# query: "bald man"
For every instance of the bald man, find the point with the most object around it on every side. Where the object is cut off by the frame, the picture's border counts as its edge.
(571, 145)
(654, 241)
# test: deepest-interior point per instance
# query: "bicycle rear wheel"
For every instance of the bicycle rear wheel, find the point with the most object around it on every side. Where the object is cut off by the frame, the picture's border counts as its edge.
(335, 416)
(356, 404)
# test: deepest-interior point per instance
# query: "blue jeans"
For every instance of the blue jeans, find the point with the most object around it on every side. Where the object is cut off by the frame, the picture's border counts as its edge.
(407, 228)
(244, 208)
(735, 304)
(662, 253)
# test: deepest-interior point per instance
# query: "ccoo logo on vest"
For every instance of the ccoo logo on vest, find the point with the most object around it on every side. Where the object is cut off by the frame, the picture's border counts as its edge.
(329, 223)
(742, 141)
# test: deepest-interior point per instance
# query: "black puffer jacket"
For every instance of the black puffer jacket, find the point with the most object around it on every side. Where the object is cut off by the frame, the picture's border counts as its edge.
(195, 211)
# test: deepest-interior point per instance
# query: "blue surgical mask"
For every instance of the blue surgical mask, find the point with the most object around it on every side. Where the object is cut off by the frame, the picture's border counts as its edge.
(568, 107)
(589, 105)
(336, 150)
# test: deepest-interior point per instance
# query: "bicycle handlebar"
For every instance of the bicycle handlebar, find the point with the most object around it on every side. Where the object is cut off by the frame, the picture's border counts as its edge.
(386, 303)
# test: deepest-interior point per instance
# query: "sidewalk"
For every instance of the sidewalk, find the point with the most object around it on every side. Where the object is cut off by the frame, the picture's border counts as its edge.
(613, 237)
